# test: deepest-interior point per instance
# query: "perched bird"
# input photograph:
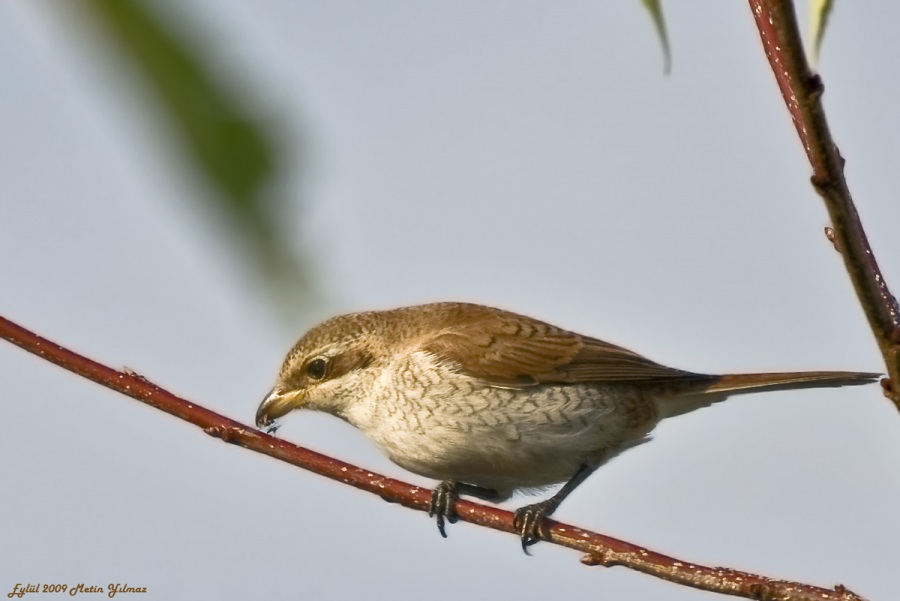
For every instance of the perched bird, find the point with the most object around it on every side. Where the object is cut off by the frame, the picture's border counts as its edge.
(491, 402)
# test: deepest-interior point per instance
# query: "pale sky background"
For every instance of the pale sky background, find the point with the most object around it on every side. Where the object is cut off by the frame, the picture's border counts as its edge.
(521, 154)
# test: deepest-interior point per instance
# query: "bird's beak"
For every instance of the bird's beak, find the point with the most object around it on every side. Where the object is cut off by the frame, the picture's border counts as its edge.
(276, 404)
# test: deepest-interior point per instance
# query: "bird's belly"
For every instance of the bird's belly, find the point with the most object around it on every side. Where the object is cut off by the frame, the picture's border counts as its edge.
(505, 439)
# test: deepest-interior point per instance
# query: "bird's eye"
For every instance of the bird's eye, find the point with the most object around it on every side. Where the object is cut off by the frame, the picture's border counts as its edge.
(316, 368)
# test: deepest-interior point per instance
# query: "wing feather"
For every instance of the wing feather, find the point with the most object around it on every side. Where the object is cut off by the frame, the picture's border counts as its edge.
(513, 350)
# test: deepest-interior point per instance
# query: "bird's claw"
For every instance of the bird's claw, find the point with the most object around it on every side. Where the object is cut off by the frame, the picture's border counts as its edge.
(443, 504)
(529, 522)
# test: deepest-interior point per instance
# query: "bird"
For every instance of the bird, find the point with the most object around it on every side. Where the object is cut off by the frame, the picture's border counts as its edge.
(490, 402)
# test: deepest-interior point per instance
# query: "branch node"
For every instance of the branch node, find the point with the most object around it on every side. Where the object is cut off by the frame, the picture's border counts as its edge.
(840, 157)
(227, 434)
(758, 590)
(846, 593)
(829, 233)
(815, 87)
(821, 183)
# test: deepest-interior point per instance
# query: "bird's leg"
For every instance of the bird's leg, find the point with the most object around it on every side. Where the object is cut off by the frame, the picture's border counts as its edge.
(529, 519)
(445, 495)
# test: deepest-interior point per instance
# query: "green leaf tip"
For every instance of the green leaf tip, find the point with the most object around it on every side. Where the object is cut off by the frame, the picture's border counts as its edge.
(654, 7)
(819, 12)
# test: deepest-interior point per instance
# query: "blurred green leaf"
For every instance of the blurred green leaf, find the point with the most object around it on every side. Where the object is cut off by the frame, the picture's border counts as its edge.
(819, 11)
(231, 147)
(654, 7)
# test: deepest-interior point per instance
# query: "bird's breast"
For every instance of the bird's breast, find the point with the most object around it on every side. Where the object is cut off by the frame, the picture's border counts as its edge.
(433, 421)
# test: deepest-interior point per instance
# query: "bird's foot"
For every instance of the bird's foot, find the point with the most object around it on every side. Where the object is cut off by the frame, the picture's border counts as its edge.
(529, 521)
(443, 504)
(446, 494)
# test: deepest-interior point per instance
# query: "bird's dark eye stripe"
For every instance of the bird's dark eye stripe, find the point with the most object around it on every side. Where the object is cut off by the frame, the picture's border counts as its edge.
(316, 368)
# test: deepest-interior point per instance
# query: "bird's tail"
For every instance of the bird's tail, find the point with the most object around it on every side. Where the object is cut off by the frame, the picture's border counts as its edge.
(718, 388)
(743, 383)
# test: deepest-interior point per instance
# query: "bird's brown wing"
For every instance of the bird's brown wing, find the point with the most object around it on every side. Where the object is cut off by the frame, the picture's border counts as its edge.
(512, 350)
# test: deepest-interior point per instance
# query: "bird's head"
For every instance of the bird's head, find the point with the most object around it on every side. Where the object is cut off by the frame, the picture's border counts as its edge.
(325, 370)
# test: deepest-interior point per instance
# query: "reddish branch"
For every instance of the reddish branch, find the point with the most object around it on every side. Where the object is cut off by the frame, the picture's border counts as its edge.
(802, 92)
(600, 549)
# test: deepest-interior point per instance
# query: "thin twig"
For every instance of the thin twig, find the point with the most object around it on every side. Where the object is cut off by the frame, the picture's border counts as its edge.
(600, 549)
(802, 92)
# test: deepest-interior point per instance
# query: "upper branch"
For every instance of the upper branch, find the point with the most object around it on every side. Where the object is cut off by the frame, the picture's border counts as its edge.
(802, 92)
